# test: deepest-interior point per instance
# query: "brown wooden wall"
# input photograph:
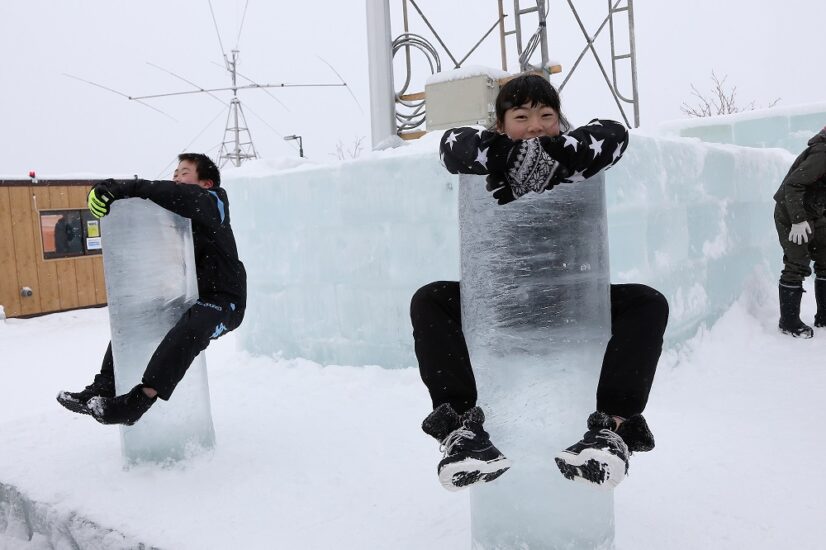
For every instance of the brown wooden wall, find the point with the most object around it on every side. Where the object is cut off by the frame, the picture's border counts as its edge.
(57, 284)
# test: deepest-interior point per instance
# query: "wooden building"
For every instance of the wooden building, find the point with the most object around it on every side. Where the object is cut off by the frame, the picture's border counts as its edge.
(50, 255)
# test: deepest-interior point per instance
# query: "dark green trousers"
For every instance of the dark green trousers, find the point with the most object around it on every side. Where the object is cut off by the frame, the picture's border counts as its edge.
(797, 258)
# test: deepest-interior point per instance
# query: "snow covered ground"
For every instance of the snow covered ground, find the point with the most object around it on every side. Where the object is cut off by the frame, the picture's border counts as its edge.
(313, 457)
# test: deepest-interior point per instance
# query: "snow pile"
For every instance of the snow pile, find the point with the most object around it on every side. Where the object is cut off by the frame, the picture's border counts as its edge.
(318, 457)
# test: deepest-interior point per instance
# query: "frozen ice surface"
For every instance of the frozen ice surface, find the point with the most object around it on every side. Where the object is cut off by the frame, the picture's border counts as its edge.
(536, 317)
(149, 264)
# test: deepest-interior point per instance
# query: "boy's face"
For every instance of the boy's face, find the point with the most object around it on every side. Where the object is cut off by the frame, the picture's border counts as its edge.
(526, 122)
(187, 173)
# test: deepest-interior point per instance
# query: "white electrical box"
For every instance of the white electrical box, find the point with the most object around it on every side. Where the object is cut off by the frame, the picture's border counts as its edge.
(461, 102)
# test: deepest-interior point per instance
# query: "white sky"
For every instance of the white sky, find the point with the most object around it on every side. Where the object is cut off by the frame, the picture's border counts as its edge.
(57, 125)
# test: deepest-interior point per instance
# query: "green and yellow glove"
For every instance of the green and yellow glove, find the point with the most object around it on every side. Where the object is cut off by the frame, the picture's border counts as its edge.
(101, 197)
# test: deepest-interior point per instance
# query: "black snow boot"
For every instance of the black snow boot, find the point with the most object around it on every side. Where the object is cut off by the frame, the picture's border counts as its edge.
(123, 409)
(469, 456)
(820, 296)
(790, 322)
(103, 386)
(600, 458)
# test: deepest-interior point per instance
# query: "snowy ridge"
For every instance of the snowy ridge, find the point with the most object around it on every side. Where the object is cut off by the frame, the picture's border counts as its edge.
(29, 525)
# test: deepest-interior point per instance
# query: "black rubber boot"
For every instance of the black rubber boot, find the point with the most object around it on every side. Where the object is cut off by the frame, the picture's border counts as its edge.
(790, 322)
(820, 296)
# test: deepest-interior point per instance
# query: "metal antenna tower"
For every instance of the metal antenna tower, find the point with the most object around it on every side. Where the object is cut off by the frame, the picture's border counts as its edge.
(235, 148)
(237, 145)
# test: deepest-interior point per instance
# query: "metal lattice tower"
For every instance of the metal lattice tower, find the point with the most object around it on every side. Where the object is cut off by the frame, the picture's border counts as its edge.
(237, 145)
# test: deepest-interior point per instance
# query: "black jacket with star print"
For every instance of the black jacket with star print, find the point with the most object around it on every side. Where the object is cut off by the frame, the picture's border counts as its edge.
(583, 152)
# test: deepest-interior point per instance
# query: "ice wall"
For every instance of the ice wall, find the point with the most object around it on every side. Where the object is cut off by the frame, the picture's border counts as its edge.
(694, 221)
(334, 253)
(784, 127)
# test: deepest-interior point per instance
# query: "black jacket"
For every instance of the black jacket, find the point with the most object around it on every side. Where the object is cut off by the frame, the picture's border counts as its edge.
(582, 152)
(219, 271)
(803, 191)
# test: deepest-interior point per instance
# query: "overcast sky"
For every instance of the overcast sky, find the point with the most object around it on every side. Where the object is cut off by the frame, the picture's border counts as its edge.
(60, 126)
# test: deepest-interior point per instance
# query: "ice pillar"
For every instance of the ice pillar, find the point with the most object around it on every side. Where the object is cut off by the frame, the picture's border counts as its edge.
(536, 316)
(380, 62)
(149, 263)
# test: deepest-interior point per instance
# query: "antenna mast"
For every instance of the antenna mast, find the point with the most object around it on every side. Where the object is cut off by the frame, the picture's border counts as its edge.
(237, 145)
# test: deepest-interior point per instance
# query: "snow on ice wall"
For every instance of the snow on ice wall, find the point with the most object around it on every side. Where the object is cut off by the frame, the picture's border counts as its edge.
(334, 253)
(784, 127)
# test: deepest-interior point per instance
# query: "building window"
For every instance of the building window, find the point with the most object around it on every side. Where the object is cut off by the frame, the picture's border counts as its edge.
(69, 233)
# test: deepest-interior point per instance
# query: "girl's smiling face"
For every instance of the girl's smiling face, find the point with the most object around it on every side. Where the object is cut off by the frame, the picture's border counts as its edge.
(529, 121)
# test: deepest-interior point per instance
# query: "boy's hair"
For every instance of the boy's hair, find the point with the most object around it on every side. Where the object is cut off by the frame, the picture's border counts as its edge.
(204, 167)
(529, 88)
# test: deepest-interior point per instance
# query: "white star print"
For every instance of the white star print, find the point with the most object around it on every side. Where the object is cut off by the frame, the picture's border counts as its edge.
(482, 157)
(617, 152)
(576, 176)
(594, 122)
(451, 139)
(570, 140)
(596, 146)
(479, 133)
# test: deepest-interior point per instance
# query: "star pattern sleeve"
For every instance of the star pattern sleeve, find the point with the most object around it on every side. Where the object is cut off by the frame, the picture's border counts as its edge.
(581, 153)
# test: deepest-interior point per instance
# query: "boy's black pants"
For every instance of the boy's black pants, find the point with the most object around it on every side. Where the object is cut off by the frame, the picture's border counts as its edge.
(207, 319)
(639, 315)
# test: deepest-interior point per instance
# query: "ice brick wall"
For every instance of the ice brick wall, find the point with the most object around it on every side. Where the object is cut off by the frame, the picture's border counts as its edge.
(695, 221)
(784, 127)
(334, 253)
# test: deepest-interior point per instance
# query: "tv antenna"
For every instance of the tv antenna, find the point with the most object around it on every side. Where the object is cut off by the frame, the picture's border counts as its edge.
(236, 145)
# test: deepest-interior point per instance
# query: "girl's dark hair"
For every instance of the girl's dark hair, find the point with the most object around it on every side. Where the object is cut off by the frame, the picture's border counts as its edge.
(204, 166)
(529, 88)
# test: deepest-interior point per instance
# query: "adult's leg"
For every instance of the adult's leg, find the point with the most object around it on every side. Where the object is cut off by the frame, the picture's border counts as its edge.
(817, 248)
(796, 257)
(639, 315)
(444, 361)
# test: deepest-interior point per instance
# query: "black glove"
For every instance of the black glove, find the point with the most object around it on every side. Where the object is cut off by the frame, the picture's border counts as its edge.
(101, 197)
(500, 188)
(531, 168)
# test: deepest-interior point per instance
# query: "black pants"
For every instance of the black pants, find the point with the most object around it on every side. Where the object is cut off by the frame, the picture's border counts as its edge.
(639, 315)
(797, 258)
(208, 319)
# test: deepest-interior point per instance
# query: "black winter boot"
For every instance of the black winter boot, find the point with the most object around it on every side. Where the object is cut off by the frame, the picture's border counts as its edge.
(103, 386)
(123, 409)
(820, 296)
(469, 456)
(790, 322)
(600, 458)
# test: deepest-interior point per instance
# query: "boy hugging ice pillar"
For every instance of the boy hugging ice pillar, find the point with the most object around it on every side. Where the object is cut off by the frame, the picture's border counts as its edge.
(149, 263)
(536, 316)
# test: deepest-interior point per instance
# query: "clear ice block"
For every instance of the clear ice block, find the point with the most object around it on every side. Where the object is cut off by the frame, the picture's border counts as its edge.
(149, 263)
(536, 317)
